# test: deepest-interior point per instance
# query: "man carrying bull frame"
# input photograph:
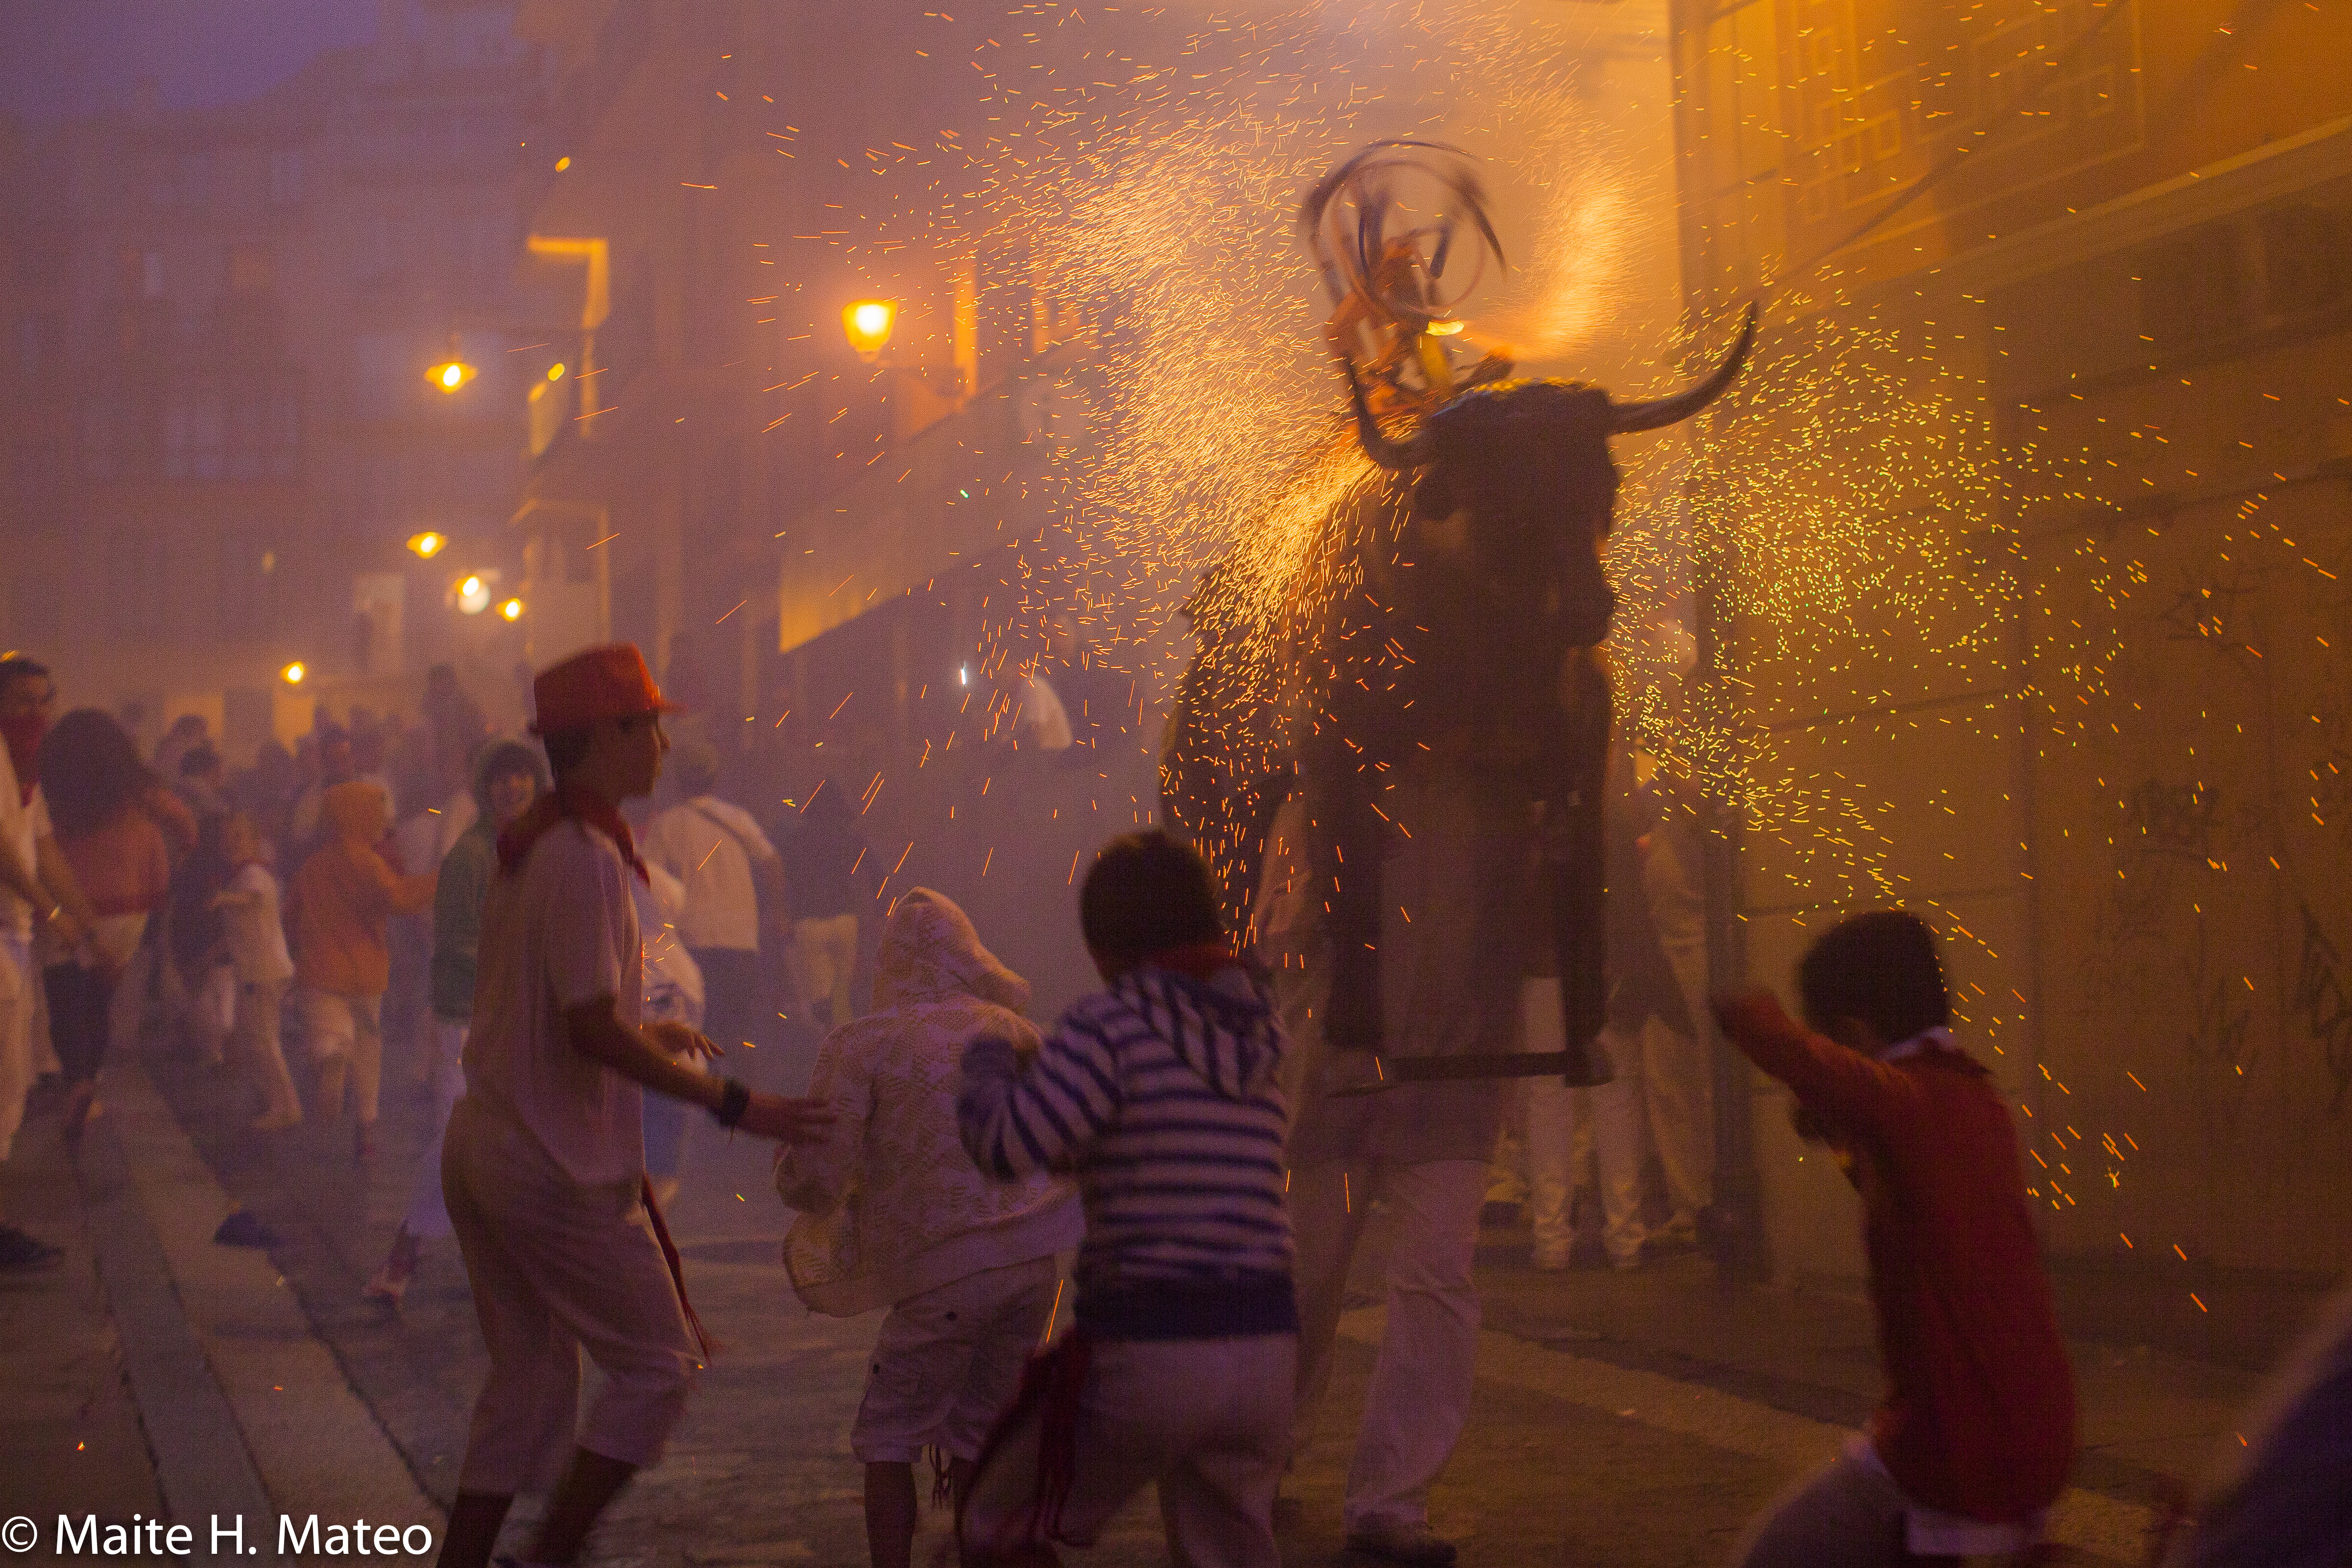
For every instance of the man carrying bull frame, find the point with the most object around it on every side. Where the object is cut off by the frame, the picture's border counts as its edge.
(543, 1168)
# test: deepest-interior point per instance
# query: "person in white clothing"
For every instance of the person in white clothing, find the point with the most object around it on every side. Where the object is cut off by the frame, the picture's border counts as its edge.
(543, 1167)
(1659, 1095)
(674, 994)
(892, 1213)
(263, 969)
(734, 892)
(37, 890)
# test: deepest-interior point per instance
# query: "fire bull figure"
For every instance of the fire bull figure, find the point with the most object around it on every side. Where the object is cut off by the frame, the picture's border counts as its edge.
(1394, 735)
(1398, 769)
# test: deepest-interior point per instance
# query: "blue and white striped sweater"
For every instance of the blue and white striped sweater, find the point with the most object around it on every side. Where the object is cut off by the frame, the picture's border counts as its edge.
(1160, 1096)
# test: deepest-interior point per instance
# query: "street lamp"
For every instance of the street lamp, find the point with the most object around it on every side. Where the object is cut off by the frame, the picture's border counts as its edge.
(293, 672)
(867, 324)
(512, 609)
(452, 372)
(428, 544)
(473, 594)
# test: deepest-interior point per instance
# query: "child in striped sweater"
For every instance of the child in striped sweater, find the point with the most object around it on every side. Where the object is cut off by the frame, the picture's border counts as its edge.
(1161, 1094)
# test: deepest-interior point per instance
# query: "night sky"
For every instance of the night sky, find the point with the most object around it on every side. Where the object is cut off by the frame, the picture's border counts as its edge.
(64, 58)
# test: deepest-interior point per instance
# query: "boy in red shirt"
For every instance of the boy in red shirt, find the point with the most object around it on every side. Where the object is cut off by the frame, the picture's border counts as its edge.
(1975, 1435)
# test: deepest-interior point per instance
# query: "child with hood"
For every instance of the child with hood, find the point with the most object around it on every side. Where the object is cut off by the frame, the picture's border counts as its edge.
(342, 966)
(1162, 1094)
(256, 949)
(894, 1214)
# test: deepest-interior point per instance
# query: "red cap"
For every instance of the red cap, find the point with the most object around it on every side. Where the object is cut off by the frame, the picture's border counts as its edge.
(610, 681)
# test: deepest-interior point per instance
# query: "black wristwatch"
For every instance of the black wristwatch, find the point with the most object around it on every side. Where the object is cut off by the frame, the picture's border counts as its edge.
(733, 1101)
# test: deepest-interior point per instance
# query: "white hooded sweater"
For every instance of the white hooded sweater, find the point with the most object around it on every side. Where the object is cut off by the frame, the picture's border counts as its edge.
(890, 1203)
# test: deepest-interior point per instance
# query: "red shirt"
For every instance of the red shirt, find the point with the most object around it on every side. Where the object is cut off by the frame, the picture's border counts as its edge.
(1978, 1415)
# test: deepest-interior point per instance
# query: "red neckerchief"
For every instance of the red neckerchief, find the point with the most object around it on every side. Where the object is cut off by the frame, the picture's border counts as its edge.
(516, 839)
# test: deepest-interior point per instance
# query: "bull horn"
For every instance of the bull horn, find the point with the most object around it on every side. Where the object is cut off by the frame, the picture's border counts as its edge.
(1397, 456)
(1626, 418)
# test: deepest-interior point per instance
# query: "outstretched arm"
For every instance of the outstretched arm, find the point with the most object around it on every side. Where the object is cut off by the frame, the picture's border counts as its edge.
(1022, 1113)
(1843, 1086)
(595, 1031)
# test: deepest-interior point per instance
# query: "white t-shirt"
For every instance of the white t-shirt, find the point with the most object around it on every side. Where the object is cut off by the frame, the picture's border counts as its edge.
(560, 932)
(24, 824)
(1042, 715)
(417, 841)
(708, 845)
(256, 937)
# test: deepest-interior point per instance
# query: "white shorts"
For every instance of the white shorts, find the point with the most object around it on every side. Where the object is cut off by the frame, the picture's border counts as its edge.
(948, 1362)
(333, 1025)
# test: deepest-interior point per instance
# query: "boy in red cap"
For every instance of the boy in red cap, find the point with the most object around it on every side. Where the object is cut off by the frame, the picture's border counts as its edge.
(1975, 1436)
(543, 1168)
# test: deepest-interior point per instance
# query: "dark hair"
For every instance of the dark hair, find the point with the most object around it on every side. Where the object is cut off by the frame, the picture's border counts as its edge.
(90, 768)
(566, 748)
(1879, 966)
(502, 759)
(16, 667)
(1148, 893)
(199, 760)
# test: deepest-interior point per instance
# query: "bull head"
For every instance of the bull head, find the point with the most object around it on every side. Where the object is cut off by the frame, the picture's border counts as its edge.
(1427, 445)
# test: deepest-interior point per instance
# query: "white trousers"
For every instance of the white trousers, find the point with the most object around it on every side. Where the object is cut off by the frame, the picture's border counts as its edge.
(1661, 1098)
(1206, 1420)
(558, 1268)
(1420, 1393)
(826, 947)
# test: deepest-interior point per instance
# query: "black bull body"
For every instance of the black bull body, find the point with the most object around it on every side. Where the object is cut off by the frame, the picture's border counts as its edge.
(1445, 611)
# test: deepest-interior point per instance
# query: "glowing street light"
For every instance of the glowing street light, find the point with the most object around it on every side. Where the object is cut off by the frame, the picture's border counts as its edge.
(473, 594)
(293, 674)
(868, 323)
(512, 609)
(555, 372)
(428, 544)
(452, 372)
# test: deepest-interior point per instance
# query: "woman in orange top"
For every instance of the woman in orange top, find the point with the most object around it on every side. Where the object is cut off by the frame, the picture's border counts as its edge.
(98, 788)
(341, 897)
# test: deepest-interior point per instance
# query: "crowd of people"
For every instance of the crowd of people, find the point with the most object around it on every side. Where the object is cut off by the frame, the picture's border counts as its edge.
(283, 920)
(578, 978)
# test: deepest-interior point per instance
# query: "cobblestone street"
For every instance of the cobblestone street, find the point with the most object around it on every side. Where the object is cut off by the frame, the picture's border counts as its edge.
(1632, 1420)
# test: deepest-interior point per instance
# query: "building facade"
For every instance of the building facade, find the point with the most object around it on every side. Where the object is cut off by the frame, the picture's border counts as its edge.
(227, 320)
(2030, 536)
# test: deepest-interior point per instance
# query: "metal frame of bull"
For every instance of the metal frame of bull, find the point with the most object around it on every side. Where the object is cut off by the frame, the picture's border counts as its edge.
(1483, 647)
